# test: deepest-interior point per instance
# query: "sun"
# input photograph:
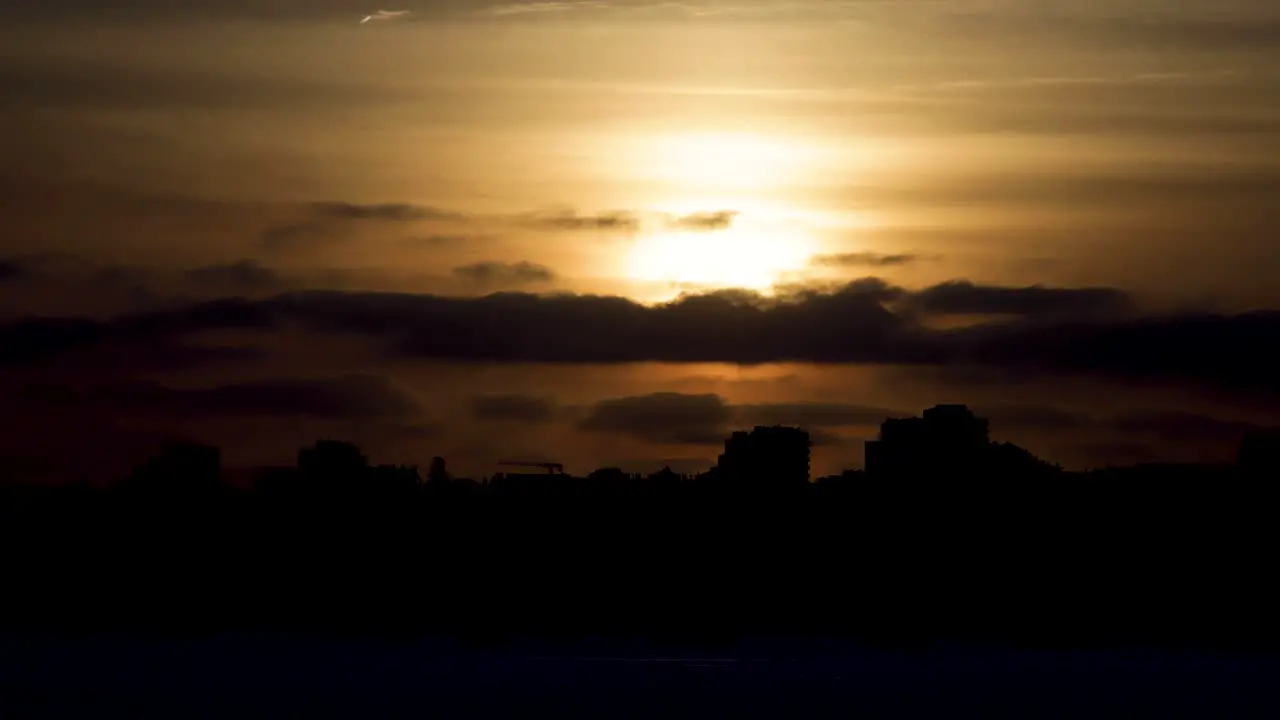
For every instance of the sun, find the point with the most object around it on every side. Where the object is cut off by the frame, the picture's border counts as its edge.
(735, 258)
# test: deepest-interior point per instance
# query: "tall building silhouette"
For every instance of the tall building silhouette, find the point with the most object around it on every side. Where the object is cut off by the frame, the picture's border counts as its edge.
(946, 437)
(766, 455)
(181, 466)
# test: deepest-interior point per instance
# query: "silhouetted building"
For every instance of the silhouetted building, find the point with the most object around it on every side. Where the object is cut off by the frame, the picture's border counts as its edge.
(403, 476)
(180, 467)
(332, 460)
(768, 455)
(947, 436)
(665, 476)
(278, 481)
(437, 472)
(956, 425)
(612, 475)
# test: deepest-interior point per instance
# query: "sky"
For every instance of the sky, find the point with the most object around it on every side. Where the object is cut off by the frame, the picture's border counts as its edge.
(609, 233)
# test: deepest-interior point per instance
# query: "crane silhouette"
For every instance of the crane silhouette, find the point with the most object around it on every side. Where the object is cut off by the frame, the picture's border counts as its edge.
(551, 467)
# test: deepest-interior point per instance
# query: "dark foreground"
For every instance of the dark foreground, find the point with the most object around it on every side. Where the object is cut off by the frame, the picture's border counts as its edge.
(1043, 566)
(274, 676)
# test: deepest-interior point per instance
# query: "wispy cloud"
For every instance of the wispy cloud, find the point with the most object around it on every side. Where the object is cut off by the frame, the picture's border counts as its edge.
(542, 7)
(696, 9)
(571, 220)
(1065, 81)
(384, 15)
(863, 259)
(394, 212)
(702, 221)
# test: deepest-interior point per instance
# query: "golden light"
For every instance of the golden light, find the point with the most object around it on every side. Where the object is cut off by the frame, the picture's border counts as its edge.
(735, 258)
(720, 160)
(698, 172)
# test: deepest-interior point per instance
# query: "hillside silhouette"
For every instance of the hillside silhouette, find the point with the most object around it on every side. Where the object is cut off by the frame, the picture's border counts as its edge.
(945, 536)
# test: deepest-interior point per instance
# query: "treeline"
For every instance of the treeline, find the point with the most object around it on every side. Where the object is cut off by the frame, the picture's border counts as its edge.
(1162, 557)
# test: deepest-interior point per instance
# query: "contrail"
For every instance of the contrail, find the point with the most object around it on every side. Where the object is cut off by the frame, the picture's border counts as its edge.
(383, 15)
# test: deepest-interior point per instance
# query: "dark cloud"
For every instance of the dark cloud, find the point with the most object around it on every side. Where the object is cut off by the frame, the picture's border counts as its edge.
(869, 289)
(966, 298)
(1039, 417)
(703, 221)
(1234, 351)
(243, 275)
(44, 339)
(519, 408)
(814, 414)
(391, 212)
(437, 240)
(1098, 454)
(295, 236)
(504, 274)
(37, 340)
(1178, 426)
(852, 325)
(863, 259)
(665, 418)
(618, 220)
(11, 270)
(349, 396)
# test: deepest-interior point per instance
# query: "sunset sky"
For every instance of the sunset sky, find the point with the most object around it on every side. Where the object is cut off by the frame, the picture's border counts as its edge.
(608, 233)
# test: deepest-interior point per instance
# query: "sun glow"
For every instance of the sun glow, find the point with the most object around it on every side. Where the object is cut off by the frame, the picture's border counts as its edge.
(730, 259)
(704, 161)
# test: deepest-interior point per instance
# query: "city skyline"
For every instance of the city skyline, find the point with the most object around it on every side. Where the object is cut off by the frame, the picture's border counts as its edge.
(623, 229)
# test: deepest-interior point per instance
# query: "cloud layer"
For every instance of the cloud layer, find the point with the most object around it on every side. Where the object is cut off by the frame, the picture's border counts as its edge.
(1046, 331)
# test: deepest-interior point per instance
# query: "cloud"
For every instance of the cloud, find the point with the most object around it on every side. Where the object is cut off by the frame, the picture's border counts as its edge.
(863, 259)
(1040, 417)
(857, 323)
(500, 273)
(39, 340)
(618, 220)
(966, 298)
(348, 396)
(526, 8)
(390, 212)
(519, 408)
(707, 419)
(702, 221)
(814, 414)
(1178, 426)
(327, 222)
(11, 270)
(1094, 454)
(384, 15)
(243, 275)
(436, 240)
(663, 418)
(295, 236)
